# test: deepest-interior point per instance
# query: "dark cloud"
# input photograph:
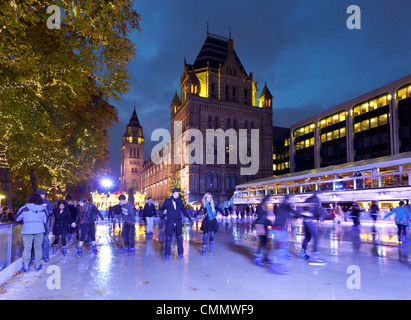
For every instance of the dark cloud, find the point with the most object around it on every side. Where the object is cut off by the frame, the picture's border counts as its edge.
(310, 60)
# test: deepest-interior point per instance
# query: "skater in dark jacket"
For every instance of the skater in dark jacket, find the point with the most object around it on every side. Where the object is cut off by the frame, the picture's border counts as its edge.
(310, 211)
(174, 207)
(261, 224)
(209, 225)
(129, 222)
(88, 213)
(62, 221)
(149, 212)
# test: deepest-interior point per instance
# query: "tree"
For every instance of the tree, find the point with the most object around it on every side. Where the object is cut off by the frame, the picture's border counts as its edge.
(176, 183)
(55, 84)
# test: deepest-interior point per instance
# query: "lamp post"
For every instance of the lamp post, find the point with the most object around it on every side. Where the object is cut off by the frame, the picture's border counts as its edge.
(106, 184)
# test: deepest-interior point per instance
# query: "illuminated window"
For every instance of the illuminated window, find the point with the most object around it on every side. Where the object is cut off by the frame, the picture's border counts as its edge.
(342, 132)
(336, 134)
(274, 156)
(365, 125)
(383, 119)
(336, 119)
(286, 142)
(357, 127)
(329, 136)
(322, 123)
(323, 138)
(382, 101)
(402, 94)
(312, 127)
(311, 141)
(364, 108)
(373, 105)
(274, 167)
(374, 122)
(356, 111)
(307, 143)
(329, 121)
(342, 116)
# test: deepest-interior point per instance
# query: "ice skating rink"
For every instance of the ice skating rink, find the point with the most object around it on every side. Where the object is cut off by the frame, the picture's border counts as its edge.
(365, 263)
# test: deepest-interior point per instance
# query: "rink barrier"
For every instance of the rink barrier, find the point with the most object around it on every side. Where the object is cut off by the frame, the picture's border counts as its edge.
(11, 250)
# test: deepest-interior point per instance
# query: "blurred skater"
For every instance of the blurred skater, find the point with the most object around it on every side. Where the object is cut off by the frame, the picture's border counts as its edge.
(355, 215)
(261, 225)
(285, 211)
(149, 212)
(374, 211)
(401, 216)
(209, 225)
(310, 211)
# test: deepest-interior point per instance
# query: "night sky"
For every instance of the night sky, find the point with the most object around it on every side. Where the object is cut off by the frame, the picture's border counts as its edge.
(303, 49)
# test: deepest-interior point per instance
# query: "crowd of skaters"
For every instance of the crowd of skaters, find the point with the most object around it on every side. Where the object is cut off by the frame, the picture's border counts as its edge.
(71, 218)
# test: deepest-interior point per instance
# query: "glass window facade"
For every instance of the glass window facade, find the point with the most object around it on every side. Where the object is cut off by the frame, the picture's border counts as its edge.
(304, 147)
(372, 128)
(333, 148)
(404, 117)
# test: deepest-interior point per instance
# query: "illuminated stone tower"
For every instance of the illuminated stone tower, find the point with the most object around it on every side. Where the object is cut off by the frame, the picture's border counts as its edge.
(132, 155)
(218, 93)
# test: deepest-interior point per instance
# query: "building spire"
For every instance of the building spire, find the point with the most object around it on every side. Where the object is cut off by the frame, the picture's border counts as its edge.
(208, 25)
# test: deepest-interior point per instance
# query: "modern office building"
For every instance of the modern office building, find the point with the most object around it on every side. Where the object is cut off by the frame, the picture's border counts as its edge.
(373, 125)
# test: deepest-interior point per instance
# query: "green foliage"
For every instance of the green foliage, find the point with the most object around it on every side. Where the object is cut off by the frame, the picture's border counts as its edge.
(55, 84)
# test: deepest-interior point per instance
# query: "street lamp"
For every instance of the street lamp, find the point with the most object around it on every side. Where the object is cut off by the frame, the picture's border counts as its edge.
(106, 183)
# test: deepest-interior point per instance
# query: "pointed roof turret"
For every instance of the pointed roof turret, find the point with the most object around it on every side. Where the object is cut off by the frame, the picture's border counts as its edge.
(193, 77)
(266, 93)
(134, 122)
(176, 100)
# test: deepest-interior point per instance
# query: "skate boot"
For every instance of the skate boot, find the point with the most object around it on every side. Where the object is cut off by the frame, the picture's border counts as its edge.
(46, 259)
(167, 257)
(38, 267)
(203, 252)
(181, 256)
(95, 249)
(79, 251)
(124, 250)
(399, 238)
(64, 251)
(54, 249)
(25, 267)
(211, 246)
(316, 260)
(132, 252)
(257, 260)
(304, 255)
(404, 240)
